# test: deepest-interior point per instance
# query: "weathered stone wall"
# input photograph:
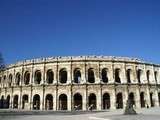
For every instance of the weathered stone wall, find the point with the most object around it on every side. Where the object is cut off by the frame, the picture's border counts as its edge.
(84, 88)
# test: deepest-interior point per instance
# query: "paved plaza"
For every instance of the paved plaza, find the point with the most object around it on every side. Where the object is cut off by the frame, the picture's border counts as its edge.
(143, 114)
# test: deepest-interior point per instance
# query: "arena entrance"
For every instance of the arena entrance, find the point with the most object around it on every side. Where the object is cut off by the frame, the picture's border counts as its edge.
(106, 101)
(131, 98)
(8, 101)
(119, 101)
(151, 99)
(2, 102)
(63, 102)
(78, 101)
(24, 101)
(142, 100)
(15, 102)
(92, 101)
(49, 102)
(36, 102)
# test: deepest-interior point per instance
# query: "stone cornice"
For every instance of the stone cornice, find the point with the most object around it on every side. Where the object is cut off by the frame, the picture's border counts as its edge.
(80, 58)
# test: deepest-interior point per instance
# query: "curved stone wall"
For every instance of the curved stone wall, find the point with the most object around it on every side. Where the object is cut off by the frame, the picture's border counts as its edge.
(82, 82)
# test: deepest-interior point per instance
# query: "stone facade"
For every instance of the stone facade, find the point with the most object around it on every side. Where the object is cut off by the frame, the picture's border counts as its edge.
(82, 82)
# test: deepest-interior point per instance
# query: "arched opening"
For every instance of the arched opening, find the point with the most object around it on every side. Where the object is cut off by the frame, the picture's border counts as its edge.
(92, 101)
(18, 78)
(49, 102)
(106, 101)
(24, 101)
(104, 75)
(0, 80)
(77, 101)
(142, 100)
(2, 102)
(10, 80)
(91, 78)
(63, 102)
(63, 76)
(129, 76)
(117, 76)
(148, 75)
(131, 98)
(37, 77)
(50, 77)
(159, 98)
(15, 102)
(151, 99)
(8, 101)
(26, 78)
(139, 72)
(77, 75)
(4, 79)
(36, 102)
(155, 76)
(119, 101)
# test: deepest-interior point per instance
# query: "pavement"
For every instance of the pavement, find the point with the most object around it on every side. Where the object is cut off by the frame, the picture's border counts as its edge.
(143, 114)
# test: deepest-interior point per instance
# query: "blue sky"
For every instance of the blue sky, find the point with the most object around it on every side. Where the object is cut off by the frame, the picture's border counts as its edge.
(41, 28)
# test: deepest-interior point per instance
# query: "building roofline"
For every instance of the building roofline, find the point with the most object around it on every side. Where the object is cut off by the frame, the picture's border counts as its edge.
(80, 58)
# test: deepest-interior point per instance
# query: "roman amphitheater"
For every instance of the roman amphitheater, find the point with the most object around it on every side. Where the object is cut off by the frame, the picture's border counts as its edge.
(79, 83)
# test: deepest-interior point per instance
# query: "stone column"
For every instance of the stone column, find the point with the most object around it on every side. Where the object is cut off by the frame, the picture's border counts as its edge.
(43, 89)
(41, 101)
(69, 78)
(99, 99)
(125, 96)
(29, 102)
(55, 101)
(156, 98)
(21, 84)
(84, 73)
(84, 107)
(56, 105)
(153, 76)
(135, 80)
(7, 79)
(69, 104)
(113, 98)
(148, 96)
(12, 101)
(111, 74)
(144, 75)
(31, 83)
(123, 74)
(98, 74)
(19, 101)
(137, 98)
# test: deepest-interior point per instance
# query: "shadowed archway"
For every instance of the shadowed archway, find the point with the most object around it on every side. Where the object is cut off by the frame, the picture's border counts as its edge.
(119, 101)
(49, 102)
(63, 102)
(106, 101)
(36, 102)
(15, 102)
(92, 101)
(78, 101)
